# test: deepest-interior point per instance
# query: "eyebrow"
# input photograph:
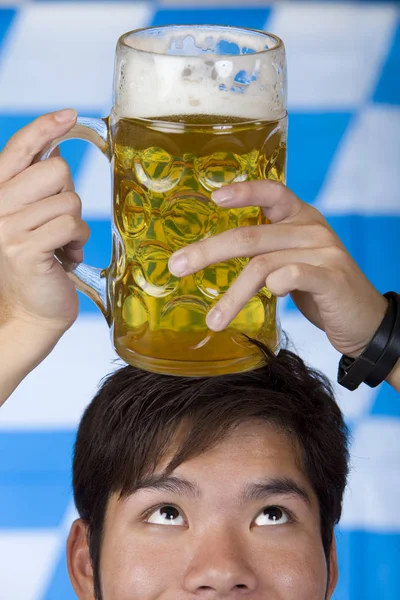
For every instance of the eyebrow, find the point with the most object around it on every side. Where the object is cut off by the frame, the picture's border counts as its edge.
(279, 486)
(259, 490)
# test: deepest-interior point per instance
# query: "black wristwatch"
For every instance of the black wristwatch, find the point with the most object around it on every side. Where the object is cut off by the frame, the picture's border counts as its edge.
(380, 356)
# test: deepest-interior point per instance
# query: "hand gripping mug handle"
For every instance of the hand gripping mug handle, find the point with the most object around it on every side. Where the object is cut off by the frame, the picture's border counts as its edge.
(89, 280)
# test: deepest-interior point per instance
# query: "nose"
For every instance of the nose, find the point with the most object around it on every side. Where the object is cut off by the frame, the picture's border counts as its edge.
(219, 569)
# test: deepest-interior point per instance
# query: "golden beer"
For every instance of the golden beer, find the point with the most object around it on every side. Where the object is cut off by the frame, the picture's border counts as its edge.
(165, 170)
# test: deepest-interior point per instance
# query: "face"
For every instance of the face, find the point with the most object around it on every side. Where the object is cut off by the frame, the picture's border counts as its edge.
(241, 520)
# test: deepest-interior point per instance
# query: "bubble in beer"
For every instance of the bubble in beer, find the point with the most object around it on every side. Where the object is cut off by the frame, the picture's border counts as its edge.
(220, 168)
(273, 154)
(214, 282)
(185, 312)
(251, 318)
(135, 211)
(157, 170)
(135, 313)
(151, 272)
(188, 217)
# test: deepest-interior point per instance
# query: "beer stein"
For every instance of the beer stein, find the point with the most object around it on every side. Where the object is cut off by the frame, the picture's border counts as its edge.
(195, 108)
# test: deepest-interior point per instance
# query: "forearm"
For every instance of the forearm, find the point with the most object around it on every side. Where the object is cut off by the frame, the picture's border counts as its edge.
(23, 347)
(394, 378)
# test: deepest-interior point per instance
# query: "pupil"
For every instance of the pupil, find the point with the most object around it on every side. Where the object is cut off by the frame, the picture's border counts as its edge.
(169, 512)
(275, 514)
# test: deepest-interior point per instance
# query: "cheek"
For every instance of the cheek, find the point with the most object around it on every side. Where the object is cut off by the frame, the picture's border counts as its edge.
(133, 568)
(298, 571)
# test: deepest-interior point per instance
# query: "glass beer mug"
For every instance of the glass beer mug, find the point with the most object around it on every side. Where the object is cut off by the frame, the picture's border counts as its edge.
(195, 108)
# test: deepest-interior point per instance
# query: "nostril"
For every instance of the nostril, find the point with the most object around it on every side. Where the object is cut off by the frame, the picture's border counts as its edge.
(240, 586)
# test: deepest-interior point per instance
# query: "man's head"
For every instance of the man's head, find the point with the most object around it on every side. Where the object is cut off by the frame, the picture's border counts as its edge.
(210, 488)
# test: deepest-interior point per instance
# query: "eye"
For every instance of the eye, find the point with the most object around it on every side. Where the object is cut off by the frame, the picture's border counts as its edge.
(272, 515)
(165, 515)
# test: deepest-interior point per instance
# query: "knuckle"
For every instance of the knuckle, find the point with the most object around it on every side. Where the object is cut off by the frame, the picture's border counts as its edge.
(295, 272)
(259, 266)
(72, 203)
(70, 222)
(5, 233)
(85, 230)
(13, 252)
(244, 236)
(277, 187)
(319, 234)
(244, 191)
(278, 191)
(336, 256)
(9, 246)
(199, 254)
(60, 166)
(74, 226)
(316, 216)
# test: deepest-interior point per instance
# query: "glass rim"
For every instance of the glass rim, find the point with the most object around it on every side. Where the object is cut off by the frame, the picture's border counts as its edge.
(278, 41)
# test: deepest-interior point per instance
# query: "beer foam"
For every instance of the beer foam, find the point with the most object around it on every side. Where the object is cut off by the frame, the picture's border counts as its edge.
(200, 71)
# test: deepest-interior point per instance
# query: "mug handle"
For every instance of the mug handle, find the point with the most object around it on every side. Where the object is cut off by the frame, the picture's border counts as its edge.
(89, 280)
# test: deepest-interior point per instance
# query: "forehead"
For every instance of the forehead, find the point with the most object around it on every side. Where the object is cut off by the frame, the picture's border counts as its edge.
(253, 449)
(252, 452)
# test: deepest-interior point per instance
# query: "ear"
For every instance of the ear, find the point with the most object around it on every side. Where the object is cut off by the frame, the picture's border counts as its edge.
(79, 565)
(333, 569)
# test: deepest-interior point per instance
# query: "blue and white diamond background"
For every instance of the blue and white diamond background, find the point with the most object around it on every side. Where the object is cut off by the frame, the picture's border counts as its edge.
(344, 157)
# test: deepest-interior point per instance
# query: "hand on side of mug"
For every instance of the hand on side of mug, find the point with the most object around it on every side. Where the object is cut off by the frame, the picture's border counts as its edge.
(39, 213)
(297, 253)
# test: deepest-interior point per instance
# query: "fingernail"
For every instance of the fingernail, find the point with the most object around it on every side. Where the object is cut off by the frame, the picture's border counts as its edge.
(222, 196)
(66, 116)
(214, 319)
(178, 264)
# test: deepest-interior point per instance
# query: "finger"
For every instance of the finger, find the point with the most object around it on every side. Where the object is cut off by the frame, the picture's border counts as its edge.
(63, 230)
(69, 258)
(55, 152)
(20, 151)
(276, 200)
(246, 242)
(39, 181)
(70, 255)
(300, 277)
(43, 211)
(252, 279)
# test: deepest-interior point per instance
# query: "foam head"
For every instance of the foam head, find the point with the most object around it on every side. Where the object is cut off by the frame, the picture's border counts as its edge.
(200, 70)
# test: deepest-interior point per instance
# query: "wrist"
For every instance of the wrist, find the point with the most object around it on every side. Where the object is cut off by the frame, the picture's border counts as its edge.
(24, 344)
(379, 361)
(374, 322)
(393, 378)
